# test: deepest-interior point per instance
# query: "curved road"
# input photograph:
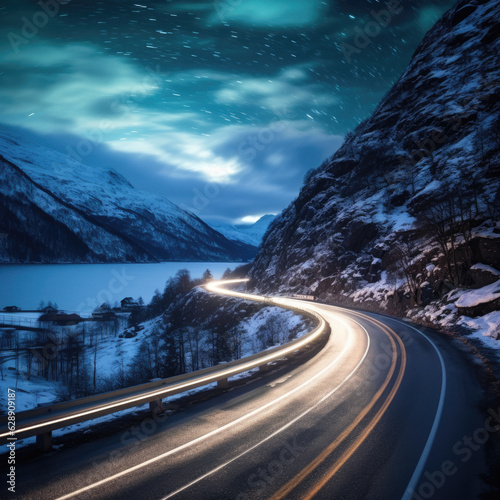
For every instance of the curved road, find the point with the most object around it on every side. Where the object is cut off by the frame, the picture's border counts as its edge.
(382, 411)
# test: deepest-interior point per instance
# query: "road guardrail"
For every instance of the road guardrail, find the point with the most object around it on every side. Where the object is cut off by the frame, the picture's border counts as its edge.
(41, 421)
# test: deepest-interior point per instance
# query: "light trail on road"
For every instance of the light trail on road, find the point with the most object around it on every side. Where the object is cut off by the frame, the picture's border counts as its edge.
(377, 388)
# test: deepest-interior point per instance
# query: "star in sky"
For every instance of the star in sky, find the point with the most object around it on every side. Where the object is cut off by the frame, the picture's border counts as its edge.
(221, 106)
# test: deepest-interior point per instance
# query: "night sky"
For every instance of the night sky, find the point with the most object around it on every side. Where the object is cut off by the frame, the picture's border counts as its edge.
(221, 106)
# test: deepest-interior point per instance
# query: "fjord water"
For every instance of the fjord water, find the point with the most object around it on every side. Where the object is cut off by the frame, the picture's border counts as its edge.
(82, 287)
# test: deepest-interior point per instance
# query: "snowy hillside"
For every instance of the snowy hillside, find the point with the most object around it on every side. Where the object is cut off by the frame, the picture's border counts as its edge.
(55, 209)
(251, 234)
(404, 217)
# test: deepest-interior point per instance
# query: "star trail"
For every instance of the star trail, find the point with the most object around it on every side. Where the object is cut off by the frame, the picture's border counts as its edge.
(221, 106)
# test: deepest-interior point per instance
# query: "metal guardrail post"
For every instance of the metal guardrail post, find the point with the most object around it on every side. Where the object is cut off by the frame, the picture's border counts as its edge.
(156, 406)
(222, 383)
(44, 441)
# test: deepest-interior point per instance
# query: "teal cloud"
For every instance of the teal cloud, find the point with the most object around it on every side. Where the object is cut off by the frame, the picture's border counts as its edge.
(282, 13)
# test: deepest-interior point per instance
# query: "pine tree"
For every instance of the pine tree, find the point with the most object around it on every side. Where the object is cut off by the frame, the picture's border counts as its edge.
(207, 276)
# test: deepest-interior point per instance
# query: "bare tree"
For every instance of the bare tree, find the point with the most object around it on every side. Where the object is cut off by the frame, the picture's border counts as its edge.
(236, 336)
(120, 363)
(271, 332)
(439, 222)
(193, 336)
(450, 223)
(155, 342)
(405, 263)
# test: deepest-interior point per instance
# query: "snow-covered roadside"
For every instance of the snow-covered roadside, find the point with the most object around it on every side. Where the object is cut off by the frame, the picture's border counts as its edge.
(289, 322)
(484, 295)
(483, 328)
(85, 427)
(474, 312)
(448, 313)
(487, 328)
(114, 351)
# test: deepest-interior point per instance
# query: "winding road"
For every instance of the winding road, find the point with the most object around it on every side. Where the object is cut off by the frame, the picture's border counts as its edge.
(383, 411)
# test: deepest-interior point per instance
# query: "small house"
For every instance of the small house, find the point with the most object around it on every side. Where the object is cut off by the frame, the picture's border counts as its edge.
(128, 304)
(49, 310)
(61, 319)
(11, 309)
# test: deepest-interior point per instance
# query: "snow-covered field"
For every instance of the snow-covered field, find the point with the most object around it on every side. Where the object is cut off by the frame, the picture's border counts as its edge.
(20, 316)
(33, 390)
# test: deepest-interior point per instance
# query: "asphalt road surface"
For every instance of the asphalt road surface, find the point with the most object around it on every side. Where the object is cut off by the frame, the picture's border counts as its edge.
(383, 411)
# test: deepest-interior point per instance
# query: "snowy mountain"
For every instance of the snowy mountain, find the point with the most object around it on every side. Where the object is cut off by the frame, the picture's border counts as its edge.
(404, 217)
(251, 234)
(55, 209)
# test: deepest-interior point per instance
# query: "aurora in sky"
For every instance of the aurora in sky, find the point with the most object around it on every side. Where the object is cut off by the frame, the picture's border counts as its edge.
(230, 101)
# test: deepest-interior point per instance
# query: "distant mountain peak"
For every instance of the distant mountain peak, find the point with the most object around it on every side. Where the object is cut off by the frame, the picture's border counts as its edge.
(250, 234)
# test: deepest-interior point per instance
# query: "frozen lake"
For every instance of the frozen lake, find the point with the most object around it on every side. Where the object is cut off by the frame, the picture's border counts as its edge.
(81, 287)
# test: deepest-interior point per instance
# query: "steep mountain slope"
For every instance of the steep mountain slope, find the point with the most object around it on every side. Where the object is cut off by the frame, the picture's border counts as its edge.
(405, 211)
(54, 209)
(251, 234)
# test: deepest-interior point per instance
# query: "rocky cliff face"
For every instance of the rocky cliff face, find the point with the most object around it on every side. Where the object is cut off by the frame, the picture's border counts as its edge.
(400, 215)
(54, 209)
